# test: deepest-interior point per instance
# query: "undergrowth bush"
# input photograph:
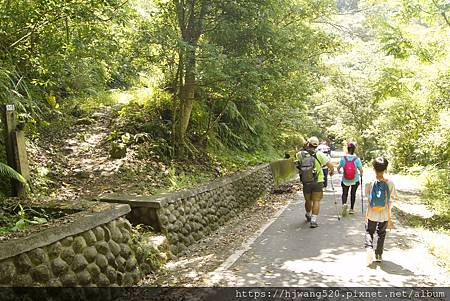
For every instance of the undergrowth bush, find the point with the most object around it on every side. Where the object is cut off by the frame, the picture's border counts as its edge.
(437, 190)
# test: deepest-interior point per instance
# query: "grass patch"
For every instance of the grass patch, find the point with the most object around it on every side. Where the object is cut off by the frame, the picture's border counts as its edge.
(436, 222)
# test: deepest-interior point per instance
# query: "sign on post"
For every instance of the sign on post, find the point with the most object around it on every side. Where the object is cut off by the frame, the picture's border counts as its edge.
(15, 148)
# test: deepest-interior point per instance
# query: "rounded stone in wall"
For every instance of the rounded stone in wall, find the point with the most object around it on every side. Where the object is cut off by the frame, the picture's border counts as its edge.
(125, 250)
(101, 261)
(111, 273)
(69, 279)
(116, 235)
(59, 267)
(54, 282)
(111, 258)
(89, 237)
(185, 239)
(54, 250)
(102, 247)
(163, 219)
(68, 254)
(107, 233)
(172, 237)
(37, 256)
(172, 218)
(171, 208)
(120, 263)
(102, 280)
(126, 236)
(173, 249)
(23, 280)
(67, 242)
(131, 264)
(128, 279)
(41, 273)
(23, 263)
(84, 278)
(99, 233)
(120, 278)
(79, 244)
(126, 224)
(111, 225)
(90, 254)
(79, 263)
(191, 239)
(114, 247)
(93, 269)
(7, 271)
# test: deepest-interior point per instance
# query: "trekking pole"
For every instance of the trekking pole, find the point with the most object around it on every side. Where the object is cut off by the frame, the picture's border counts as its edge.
(335, 203)
(362, 197)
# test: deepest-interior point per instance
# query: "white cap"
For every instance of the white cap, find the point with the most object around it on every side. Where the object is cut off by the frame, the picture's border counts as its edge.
(314, 141)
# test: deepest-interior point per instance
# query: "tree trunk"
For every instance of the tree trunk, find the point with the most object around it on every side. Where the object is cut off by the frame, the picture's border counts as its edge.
(190, 21)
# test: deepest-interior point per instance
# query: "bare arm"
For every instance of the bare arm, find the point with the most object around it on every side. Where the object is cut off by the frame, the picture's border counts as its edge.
(330, 168)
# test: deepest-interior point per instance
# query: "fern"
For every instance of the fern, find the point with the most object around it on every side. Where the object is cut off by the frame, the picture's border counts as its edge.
(9, 172)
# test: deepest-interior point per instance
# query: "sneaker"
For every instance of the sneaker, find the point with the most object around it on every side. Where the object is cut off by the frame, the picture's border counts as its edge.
(344, 210)
(308, 217)
(351, 211)
(378, 257)
(314, 224)
(370, 256)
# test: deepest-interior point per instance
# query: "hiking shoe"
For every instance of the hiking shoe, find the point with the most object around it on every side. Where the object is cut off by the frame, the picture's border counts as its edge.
(308, 217)
(344, 210)
(351, 211)
(314, 225)
(370, 255)
(378, 257)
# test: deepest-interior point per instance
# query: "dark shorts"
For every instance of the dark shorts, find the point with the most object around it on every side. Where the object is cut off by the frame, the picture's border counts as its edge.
(316, 187)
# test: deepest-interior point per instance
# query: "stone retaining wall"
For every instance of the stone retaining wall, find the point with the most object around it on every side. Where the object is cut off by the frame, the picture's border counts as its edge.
(187, 216)
(95, 249)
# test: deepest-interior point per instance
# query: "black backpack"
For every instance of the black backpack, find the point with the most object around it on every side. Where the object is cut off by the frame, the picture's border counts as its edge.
(307, 168)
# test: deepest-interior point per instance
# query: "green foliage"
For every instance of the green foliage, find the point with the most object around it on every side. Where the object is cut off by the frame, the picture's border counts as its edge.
(437, 191)
(24, 218)
(8, 172)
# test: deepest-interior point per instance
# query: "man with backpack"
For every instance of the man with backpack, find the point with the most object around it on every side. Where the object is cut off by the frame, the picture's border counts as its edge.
(378, 215)
(310, 164)
(350, 180)
(324, 148)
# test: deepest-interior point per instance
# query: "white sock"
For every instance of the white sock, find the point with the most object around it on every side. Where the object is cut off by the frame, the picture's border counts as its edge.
(314, 218)
(308, 213)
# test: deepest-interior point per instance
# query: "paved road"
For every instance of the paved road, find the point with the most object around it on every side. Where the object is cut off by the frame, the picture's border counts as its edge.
(290, 253)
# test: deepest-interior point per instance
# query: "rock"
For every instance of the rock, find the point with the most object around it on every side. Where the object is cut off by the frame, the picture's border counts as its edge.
(79, 244)
(79, 263)
(69, 279)
(99, 233)
(101, 261)
(54, 250)
(84, 278)
(114, 247)
(93, 269)
(68, 255)
(37, 256)
(59, 267)
(89, 237)
(102, 247)
(41, 273)
(23, 263)
(7, 271)
(90, 254)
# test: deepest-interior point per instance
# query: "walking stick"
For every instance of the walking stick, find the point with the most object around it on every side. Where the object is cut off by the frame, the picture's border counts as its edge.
(362, 197)
(335, 203)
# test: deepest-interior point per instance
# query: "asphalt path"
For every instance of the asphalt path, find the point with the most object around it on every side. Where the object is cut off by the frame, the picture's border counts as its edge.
(287, 252)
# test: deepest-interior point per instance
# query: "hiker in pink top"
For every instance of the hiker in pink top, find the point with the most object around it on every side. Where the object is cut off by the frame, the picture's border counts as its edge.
(351, 164)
